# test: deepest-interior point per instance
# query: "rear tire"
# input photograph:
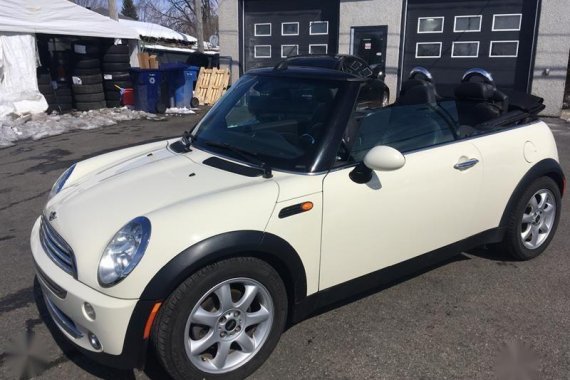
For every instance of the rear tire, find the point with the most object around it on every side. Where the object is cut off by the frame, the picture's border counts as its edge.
(117, 49)
(247, 343)
(87, 88)
(87, 106)
(116, 67)
(116, 58)
(88, 98)
(533, 221)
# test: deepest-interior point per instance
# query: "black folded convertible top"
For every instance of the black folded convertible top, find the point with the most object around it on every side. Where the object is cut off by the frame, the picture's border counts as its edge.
(527, 103)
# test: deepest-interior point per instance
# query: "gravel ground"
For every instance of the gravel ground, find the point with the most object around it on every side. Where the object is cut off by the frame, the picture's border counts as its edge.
(455, 321)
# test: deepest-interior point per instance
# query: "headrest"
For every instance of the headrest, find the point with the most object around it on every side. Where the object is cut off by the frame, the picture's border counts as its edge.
(409, 84)
(475, 91)
(416, 91)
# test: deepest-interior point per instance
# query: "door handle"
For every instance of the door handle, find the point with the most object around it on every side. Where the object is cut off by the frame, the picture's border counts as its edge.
(464, 165)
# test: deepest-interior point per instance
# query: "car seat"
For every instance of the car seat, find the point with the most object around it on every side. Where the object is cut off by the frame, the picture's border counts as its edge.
(478, 99)
(418, 89)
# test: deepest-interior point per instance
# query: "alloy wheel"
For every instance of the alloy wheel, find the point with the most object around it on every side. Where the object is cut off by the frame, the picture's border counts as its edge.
(538, 219)
(229, 325)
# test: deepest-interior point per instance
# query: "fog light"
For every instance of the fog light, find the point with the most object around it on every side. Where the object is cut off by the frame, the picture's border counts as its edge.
(89, 311)
(94, 341)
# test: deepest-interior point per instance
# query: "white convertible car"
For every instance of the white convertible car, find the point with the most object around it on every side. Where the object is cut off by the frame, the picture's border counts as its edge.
(296, 190)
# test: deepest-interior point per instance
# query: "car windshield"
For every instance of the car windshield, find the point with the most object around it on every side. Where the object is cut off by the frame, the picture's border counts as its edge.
(278, 121)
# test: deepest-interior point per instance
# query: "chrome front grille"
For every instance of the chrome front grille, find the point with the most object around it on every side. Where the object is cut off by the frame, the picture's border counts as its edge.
(56, 248)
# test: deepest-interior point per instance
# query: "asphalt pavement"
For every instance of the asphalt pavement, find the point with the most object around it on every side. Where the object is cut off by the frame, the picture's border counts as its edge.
(460, 320)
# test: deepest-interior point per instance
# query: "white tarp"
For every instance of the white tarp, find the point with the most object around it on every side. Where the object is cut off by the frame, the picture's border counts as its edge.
(59, 17)
(18, 83)
(146, 29)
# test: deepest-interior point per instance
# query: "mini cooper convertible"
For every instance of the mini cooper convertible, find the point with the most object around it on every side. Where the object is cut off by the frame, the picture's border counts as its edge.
(299, 188)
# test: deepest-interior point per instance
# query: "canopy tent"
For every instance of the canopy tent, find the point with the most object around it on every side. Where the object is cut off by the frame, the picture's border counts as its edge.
(59, 17)
(149, 30)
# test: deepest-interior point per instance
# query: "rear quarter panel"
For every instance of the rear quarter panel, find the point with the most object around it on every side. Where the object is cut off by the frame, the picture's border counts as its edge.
(507, 156)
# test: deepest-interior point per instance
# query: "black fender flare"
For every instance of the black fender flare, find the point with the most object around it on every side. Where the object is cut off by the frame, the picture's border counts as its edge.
(265, 246)
(547, 167)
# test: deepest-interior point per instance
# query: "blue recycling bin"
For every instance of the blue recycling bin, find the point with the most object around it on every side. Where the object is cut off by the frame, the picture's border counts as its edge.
(181, 78)
(151, 90)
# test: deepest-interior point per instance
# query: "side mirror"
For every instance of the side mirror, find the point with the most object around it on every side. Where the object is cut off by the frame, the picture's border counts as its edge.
(384, 158)
(380, 157)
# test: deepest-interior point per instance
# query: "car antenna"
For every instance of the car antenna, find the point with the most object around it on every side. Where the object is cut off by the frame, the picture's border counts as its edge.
(283, 65)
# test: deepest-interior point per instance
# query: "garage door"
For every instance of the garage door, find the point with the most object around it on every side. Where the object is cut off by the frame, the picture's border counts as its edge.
(275, 29)
(449, 36)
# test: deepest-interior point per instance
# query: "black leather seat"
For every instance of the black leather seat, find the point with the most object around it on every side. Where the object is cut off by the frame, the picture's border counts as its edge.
(416, 91)
(479, 102)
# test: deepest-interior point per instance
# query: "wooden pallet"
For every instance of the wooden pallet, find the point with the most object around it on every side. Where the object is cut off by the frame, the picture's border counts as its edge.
(211, 85)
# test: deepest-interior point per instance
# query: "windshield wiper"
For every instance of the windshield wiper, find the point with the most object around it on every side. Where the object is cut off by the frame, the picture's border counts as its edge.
(187, 140)
(247, 155)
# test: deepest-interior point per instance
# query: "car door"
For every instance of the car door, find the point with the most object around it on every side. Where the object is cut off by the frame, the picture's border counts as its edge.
(425, 205)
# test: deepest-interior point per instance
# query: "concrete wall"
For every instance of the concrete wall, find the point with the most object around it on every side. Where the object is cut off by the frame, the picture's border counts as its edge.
(229, 33)
(552, 54)
(369, 13)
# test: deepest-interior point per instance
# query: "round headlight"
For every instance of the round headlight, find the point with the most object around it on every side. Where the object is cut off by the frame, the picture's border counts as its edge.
(124, 251)
(58, 185)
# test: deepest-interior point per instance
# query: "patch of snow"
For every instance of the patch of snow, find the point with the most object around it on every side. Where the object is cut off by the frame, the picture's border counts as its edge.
(37, 126)
(183, 111)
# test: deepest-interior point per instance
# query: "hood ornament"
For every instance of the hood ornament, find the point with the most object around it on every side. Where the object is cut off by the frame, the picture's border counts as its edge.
(52, 216)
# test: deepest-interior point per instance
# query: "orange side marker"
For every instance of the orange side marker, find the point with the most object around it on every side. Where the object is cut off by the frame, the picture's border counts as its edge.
(150, 319)
(306, 206)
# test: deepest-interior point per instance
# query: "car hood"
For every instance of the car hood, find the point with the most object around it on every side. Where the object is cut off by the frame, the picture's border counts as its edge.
(152, 181)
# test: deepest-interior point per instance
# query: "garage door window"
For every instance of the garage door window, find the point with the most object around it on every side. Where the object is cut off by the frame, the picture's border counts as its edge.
(290, 29)
(430, 25)
(465, 49)
(467, 23)
(507, 22)
(289, 50)
(262, 30)
(318, 28)
(318, 49)
(262, 51)
(428, 50)
(504, 49)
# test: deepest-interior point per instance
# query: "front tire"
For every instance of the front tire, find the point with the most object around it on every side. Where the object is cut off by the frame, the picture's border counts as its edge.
(533, 222)
(222, 322)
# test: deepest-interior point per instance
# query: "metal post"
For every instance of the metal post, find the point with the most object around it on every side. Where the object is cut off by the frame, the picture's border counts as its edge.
(199, 25)
(113, 10)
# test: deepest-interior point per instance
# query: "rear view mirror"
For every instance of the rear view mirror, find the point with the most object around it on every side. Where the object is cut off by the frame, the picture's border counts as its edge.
(380, 157)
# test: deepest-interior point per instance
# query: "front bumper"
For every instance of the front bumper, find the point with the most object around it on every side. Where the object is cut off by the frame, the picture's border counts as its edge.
(118, 323)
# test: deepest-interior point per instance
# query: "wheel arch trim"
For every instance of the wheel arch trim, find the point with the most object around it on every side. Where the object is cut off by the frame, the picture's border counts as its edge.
(547, 167)
(262, 245)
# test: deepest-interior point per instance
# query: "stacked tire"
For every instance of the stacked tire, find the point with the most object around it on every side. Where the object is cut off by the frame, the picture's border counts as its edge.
(58, 99)
(61, 68)
(116, 66)
(46, 88)
(87, 78)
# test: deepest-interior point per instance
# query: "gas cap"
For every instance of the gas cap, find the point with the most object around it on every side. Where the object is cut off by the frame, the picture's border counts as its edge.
(530, 152)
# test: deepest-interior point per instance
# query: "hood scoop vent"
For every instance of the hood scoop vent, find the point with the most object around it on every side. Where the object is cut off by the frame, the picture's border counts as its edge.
(232, 167)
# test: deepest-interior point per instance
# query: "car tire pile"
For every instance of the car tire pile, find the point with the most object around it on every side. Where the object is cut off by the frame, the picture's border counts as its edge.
(61, 67)
(116, 66)
(87, 77)
(58, 99)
